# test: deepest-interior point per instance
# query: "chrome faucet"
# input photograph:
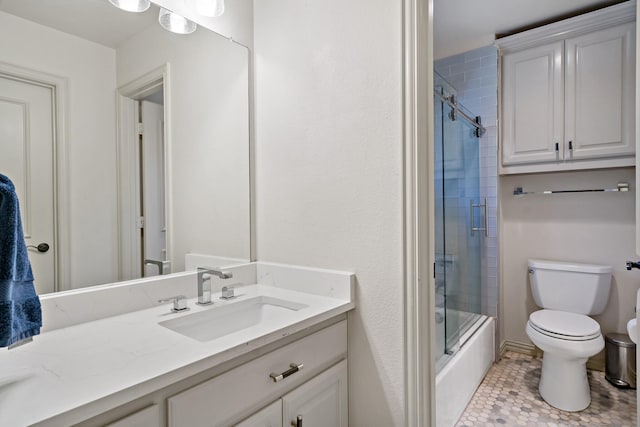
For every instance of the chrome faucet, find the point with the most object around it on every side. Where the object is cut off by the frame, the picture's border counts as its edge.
(204, 283)
(162, 265)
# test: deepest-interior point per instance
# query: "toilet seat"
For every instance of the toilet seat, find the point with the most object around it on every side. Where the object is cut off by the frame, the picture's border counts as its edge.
(564, 325)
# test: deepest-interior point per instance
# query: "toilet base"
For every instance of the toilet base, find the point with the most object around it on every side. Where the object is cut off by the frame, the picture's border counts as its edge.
(564, 383)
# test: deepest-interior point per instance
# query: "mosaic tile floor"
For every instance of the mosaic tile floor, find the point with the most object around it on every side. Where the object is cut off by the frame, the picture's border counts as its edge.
(509, 396)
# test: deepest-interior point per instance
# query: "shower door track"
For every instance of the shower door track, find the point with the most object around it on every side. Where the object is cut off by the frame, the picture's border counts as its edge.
(475, 122)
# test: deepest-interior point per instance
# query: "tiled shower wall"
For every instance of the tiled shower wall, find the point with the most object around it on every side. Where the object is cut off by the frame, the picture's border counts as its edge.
(474, 75)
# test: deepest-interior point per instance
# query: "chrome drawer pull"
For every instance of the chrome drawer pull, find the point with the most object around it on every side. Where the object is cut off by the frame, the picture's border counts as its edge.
(294, 367)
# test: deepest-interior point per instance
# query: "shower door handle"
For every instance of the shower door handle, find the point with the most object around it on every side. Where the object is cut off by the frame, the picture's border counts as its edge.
(472, 206)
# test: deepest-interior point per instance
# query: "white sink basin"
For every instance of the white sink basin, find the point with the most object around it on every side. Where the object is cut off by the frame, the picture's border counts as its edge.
(219, 321)
(632, 330)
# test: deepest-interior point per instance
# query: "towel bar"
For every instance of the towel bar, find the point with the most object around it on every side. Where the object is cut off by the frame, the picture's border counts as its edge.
(622, 186)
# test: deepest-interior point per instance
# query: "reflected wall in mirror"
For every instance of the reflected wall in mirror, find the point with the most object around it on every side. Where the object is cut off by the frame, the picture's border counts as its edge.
(76, 63)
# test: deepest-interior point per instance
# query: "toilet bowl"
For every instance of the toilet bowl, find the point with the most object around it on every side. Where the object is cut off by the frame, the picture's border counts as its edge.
(567, 294)
(567, 340)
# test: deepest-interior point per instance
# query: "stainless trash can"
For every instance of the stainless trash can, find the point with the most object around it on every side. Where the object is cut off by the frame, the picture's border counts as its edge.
(620, 360)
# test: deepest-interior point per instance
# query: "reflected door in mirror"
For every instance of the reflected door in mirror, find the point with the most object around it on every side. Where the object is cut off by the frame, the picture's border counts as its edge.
(26, 157)
(154, 242)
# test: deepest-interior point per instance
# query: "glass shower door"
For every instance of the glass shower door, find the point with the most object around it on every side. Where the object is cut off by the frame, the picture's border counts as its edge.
(459, 223)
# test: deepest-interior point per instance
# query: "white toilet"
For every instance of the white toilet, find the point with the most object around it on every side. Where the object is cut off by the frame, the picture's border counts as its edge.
(568, 293)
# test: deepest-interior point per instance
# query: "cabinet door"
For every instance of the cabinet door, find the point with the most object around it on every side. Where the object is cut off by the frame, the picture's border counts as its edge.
(532, 105)
(600, 94)
(271, 416)
(320, 402)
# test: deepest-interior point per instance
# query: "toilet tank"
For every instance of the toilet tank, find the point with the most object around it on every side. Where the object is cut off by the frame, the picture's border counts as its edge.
(569, 286)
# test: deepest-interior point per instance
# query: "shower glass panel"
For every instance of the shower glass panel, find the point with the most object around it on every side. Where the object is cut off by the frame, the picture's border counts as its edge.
(459, 224)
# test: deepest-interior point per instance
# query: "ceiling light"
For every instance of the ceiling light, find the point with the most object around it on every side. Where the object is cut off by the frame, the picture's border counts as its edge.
(175, 23)
(131, 5)
(212, 8)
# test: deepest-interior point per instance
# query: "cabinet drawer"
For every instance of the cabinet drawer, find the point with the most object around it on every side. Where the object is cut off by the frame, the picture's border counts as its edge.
(147, 417)
(227, 397)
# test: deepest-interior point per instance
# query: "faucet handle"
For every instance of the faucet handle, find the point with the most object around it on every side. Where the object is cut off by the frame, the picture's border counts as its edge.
(179, 303)
(227, 293)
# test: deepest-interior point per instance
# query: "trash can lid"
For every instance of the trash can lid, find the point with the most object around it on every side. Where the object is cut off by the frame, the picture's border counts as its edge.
(621, 340)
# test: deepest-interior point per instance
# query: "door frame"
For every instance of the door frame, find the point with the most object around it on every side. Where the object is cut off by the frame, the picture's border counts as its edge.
(61, 195)
(127, 168)
(419, 250)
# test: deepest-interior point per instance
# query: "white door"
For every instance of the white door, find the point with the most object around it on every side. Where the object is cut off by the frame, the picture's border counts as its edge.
(153, 194)
(27, 158)
(320, 402)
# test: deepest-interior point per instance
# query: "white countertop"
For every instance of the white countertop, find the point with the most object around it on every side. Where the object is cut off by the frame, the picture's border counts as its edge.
(73, 373)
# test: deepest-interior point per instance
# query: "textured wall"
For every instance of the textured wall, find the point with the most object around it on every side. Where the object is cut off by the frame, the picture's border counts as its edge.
(329, 171)
(596, 228)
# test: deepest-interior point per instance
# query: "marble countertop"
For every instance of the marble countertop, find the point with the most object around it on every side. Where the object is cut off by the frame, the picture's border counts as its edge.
(70, 374)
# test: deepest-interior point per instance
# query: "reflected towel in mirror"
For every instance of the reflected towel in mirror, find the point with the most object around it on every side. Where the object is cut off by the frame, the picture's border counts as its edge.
(20, 312)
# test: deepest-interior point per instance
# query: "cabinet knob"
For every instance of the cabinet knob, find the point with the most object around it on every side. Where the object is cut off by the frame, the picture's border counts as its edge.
(297, 422)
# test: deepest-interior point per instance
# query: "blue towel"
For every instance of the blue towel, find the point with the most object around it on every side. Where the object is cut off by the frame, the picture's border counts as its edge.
(20, 313)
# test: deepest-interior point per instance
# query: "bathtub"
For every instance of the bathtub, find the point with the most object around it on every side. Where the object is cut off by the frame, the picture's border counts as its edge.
(461, 373)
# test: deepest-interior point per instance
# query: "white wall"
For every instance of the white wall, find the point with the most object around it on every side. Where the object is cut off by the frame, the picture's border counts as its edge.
(582, 227)
(90, 71)
(329, 171)
(209, 166)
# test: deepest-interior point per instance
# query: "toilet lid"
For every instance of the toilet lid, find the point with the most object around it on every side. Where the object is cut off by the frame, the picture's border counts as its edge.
(564, 325)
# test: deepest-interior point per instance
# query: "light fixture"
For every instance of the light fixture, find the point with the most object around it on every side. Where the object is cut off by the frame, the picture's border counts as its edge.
(175, 23)
(211, 8)
(131, 5)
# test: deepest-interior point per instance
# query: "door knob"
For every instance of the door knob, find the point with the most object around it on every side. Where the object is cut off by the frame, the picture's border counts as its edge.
(42, 247)
(631, 264)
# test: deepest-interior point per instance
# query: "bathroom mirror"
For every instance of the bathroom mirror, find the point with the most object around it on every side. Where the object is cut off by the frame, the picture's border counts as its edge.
(95, 71)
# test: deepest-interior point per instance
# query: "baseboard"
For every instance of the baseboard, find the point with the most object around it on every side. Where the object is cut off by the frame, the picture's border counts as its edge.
(520, 347)
(595, 363)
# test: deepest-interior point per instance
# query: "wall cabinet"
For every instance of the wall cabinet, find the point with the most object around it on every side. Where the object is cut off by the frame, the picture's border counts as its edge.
(568, 94)
(532, 112)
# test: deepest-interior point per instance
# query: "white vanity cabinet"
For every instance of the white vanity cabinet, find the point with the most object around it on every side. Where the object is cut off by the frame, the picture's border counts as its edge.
(320, 402)
(313, 384)
(568, 94)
